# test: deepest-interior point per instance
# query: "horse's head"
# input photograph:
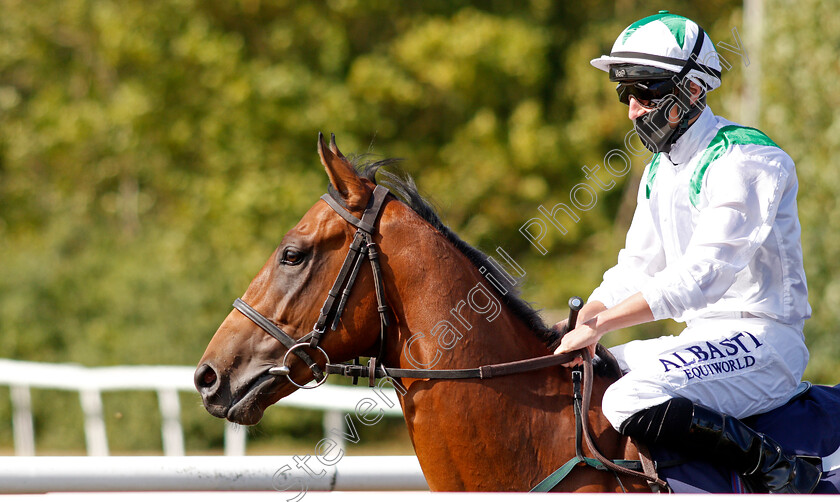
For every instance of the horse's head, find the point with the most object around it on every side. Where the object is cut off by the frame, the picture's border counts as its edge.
(233, 376)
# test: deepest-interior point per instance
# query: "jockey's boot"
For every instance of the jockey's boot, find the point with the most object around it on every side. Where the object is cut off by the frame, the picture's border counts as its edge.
(683, 425)
(760, 459)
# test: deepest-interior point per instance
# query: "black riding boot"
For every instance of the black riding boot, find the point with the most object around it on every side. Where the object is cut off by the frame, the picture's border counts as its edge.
(683, 425)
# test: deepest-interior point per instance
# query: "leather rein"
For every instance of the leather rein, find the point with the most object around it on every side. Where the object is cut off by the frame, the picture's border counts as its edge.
(363, 244)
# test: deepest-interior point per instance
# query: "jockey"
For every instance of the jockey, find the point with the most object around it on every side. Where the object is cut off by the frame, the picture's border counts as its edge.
(714, 243)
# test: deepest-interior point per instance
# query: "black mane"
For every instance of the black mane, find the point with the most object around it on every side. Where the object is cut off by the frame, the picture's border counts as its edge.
(406, 190)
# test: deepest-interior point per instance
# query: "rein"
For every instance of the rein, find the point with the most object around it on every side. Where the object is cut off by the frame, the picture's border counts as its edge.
(481, 372)
(363, 244)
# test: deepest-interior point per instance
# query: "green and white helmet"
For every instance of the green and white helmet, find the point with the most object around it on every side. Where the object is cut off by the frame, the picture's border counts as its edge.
(670, 42)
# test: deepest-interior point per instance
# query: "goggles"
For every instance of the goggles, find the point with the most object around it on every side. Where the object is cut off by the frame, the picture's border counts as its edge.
(648, 93)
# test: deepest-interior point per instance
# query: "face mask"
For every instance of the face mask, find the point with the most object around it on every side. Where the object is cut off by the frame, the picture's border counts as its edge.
(654, 129)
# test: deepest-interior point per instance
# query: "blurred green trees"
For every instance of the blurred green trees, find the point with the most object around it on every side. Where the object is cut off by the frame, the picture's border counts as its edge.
(801, 96)
(153, 153)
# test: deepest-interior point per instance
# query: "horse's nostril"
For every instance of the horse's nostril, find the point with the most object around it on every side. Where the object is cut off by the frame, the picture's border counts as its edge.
(205, 376)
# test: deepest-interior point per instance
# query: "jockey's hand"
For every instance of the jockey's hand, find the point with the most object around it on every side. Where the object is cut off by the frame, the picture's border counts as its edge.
(584, 336)
(598, 320)
(588, 311)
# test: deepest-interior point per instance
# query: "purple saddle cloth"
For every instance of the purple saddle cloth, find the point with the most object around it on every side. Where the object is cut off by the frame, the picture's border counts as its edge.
(807, 425)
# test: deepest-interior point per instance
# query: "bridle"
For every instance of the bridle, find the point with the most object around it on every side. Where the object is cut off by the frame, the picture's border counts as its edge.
(363, 244)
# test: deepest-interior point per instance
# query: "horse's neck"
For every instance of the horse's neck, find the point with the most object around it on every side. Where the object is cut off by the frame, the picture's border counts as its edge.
(451, 316)
(497, 434)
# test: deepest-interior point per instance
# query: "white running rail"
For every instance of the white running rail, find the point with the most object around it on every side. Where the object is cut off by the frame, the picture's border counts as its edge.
(254, 473)
(167, 381)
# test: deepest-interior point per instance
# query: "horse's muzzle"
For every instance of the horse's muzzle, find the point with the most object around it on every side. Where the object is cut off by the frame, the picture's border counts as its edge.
(208, 384)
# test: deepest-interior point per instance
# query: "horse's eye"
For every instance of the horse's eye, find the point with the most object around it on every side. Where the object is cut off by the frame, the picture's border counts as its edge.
(292, 257)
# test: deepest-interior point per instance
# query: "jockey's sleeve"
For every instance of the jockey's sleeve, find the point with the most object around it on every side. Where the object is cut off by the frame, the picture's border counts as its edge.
(741, 198)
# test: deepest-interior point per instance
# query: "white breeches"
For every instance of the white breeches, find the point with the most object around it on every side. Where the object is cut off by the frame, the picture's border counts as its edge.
(739, 367)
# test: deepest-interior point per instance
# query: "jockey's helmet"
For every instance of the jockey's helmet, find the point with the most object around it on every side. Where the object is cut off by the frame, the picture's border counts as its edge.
(666, 43)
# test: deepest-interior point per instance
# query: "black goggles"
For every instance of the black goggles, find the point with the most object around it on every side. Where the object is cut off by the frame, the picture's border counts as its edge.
(648, 93)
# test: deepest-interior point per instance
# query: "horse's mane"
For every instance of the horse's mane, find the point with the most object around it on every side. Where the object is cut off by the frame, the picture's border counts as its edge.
(404, 188)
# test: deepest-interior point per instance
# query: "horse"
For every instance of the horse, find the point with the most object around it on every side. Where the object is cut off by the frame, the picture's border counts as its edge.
(443, 309)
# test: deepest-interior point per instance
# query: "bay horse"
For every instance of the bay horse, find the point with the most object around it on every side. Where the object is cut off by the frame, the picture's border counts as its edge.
(500, 434)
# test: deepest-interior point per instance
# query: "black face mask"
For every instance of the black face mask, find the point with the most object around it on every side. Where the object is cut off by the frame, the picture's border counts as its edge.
(654, 129)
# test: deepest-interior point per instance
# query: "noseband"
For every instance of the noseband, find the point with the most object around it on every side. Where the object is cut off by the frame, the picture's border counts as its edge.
(363, 244)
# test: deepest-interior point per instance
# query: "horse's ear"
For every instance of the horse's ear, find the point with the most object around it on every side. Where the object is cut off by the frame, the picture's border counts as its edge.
(334, 148)
(342, 175)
